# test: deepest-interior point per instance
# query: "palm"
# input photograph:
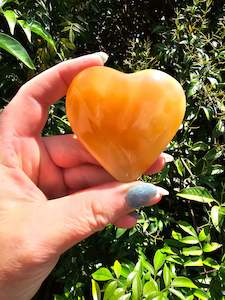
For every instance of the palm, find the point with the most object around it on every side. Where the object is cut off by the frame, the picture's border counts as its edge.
(52, 162)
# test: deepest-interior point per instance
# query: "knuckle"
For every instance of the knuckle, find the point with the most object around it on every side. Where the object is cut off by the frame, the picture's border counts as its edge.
(99, 218)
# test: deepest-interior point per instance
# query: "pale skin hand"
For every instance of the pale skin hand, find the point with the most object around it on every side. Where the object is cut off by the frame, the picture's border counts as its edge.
(34, 232)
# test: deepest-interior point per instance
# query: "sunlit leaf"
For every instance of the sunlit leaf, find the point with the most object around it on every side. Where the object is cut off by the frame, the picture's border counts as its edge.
(12, 46)
(109, 290)
(191, 240)
(96, 293)
(120, 232)
(204, 234)
(117, 269)
(211, 263)
(198, 194)
(187, 228)
(11, 19)
(166, 275)
(26, 28)
(201, 295)
(149, 287)
(193, 262)
(37, 28)
(183, 282)
(158, 260)
(118, 293)
(176, 235)
(211, 247)
(216, 217)
(193, 251)
(125, 297)
(177, 293)
(102, 274)
(180, 167)
(137, 288)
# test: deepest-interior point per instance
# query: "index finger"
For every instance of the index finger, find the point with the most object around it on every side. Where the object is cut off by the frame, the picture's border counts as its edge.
(28, 110)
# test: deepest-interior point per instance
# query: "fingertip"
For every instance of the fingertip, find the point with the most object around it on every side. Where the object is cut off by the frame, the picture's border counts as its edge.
(103, 56)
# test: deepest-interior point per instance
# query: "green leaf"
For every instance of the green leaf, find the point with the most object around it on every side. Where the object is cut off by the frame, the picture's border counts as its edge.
(183, 282)
(120, 232)
(96, 293)
(199, 146)
(211, 263)
(149, 287)
(37, 28)
(118, 293)
(109, 290)
(213, 154)
(167, 249)
(216, 217)
(174, 259)
(138, 267)
(198, 194)
(219, 129)
(154, 296)
(137, 288)
(12, 46)
(187, 228)
(131, 277)
(117, 269)
(217, 169)
(201, 295)
(208, 112)
(125, 297)
(193, 251)
(11, 19)
(102, 274)
(148, 266)
(166, 275)
(180, 167)
(177, 293)
(193, 87)
(176, 235)
(204, 234)
(126, 269)
(193, 262)
(26, 28)
(158, 260)
(191, 240)
(211, 247)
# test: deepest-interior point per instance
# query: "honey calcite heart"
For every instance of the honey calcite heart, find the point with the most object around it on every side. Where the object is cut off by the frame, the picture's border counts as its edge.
(125, 120)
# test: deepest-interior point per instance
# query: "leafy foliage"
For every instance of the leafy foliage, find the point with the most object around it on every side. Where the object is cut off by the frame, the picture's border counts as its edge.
(176, 250)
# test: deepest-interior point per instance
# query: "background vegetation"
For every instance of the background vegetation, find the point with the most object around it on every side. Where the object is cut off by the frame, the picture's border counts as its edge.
(177, 249)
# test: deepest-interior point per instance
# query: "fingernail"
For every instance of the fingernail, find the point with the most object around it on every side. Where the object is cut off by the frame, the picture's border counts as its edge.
(104, 56)
(162, 191)
(135, 215)
(168, 158)
(138, 195)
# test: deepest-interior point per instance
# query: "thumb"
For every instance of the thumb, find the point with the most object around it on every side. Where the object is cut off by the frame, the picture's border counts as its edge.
(77, 216)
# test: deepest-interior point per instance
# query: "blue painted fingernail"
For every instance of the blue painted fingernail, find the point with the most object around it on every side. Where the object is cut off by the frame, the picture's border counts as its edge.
(138, 195)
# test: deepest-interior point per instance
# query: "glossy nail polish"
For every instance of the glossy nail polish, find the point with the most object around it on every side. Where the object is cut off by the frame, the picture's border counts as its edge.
(138, 195)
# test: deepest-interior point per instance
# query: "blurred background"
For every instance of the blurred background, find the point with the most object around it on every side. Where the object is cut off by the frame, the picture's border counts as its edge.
(176, 251)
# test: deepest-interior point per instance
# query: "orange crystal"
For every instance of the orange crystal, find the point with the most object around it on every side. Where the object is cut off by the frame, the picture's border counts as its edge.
(125, 120)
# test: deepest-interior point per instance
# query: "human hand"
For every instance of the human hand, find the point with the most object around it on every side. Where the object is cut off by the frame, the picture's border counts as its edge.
(34, 232)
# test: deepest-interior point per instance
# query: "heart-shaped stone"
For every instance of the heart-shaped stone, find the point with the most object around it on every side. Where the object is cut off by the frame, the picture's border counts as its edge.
(125, 120)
